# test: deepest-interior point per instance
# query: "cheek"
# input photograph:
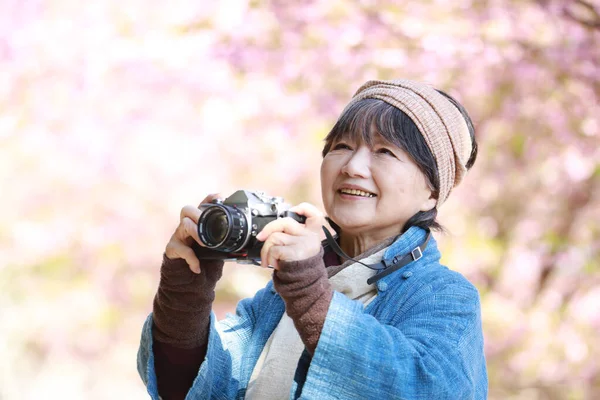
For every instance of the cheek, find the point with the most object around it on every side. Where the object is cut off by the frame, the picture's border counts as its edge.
(400, 180)
(419, 186)
(420, 180)
(328, 173)
(323, 177)
(325, 182)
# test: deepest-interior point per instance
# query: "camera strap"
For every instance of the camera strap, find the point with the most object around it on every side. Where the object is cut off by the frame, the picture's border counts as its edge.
(384, 267)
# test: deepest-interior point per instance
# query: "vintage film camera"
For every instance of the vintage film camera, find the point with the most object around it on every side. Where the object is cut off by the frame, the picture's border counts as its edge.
(228, 228)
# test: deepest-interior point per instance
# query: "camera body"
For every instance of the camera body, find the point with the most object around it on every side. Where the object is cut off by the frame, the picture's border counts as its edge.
(228, 228)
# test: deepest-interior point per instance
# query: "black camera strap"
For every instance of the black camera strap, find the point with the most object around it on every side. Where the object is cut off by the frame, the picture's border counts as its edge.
(384, 268)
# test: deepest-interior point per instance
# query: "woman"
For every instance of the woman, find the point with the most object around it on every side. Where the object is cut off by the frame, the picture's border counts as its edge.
(389, 322)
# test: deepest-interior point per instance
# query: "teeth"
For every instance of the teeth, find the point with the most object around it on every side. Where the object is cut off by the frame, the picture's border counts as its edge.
(356, 192)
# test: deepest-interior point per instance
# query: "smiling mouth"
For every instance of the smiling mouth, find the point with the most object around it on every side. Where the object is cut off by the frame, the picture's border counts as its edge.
(356, 192)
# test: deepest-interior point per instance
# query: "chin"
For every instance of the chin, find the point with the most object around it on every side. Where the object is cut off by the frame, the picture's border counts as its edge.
(351, 223)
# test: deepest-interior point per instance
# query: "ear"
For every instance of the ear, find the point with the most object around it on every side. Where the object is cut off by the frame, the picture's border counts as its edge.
(429, 204)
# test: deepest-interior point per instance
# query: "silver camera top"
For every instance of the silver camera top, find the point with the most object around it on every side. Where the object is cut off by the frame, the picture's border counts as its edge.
(258, 203)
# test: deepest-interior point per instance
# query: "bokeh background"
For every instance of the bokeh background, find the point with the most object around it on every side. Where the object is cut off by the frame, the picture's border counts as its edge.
(115, 114)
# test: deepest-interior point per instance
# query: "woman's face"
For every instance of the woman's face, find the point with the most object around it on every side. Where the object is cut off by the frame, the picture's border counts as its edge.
(373, 190)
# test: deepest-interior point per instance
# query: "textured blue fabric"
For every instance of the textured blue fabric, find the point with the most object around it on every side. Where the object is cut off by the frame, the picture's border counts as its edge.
(420, 338)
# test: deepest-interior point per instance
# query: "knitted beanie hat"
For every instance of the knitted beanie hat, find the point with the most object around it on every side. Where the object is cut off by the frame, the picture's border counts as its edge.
(439, 121)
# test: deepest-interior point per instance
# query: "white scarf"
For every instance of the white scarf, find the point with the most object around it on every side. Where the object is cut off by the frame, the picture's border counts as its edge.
(273, 375)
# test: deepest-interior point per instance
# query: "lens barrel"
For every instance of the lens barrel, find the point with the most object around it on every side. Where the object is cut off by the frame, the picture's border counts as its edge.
(222, 227)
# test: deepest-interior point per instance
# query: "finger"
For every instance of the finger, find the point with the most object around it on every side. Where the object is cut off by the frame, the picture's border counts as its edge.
(188, 229)
(285, 225)
(308, 210)
(177, 249)
(275, 239)
(315, 218)
(210, 198)
(190, 212)
(275, 254)
(278, 253)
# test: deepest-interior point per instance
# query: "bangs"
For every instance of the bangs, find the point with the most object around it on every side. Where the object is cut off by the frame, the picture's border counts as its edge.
(366, 118)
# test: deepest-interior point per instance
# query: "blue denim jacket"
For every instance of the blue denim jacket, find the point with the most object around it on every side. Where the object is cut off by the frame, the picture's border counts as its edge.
(420, 338)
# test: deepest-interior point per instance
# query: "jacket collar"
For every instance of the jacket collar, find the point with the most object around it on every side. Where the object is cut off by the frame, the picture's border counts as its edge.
(403, 244)
(406, 243)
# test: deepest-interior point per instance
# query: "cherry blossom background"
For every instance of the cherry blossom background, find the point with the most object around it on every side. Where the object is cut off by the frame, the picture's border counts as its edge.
(115, 114)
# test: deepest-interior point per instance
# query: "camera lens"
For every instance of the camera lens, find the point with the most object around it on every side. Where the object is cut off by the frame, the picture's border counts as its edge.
(217, 226)
(222, 227)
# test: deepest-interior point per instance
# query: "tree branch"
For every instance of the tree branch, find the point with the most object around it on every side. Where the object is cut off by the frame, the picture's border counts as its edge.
(591, 23)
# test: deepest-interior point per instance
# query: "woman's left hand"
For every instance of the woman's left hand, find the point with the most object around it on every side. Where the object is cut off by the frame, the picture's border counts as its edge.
(288, 240)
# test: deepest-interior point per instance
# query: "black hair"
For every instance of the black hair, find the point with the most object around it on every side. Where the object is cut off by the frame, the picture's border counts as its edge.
(397, 128)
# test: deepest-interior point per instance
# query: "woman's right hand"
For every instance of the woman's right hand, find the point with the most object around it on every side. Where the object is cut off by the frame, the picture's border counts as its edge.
(180, 244)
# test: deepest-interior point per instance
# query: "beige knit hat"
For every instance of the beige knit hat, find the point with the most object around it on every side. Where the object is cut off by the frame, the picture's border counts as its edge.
(439, 121)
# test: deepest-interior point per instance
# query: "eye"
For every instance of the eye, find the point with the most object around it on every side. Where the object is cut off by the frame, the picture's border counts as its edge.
(388, 152)
(341, 146)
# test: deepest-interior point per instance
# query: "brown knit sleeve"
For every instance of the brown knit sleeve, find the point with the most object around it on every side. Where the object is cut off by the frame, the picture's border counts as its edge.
(181, 316)
(307, 293)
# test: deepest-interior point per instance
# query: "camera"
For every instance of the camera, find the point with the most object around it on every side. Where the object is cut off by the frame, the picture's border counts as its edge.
(228, 228)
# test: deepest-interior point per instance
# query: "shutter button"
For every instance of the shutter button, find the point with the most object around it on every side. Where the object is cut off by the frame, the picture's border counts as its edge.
(407, 275)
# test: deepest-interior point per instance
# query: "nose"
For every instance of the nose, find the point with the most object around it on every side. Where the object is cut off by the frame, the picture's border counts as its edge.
(359, 163)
